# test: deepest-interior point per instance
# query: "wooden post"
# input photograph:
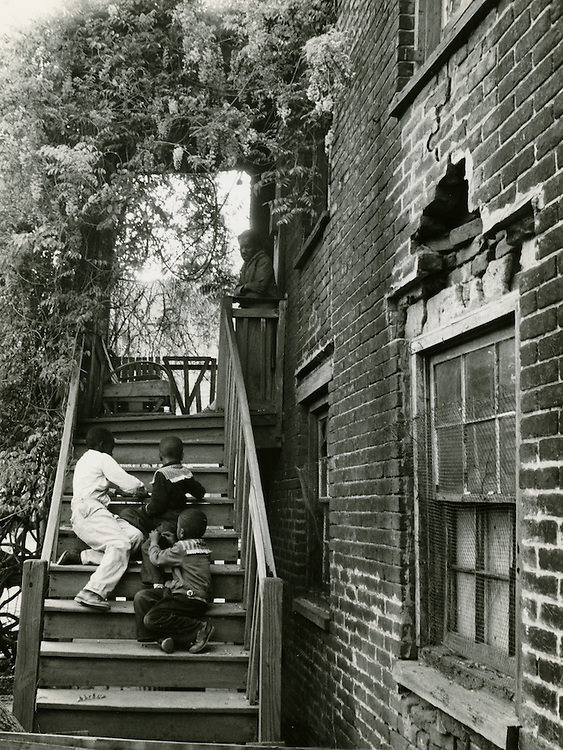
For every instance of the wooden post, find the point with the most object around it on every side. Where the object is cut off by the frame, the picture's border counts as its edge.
(226, 310)
(269, 719)
(29, 641)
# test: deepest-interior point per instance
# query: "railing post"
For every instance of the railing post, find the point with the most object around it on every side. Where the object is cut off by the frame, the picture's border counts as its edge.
(269, 719)
(222, 356)
(29, 641)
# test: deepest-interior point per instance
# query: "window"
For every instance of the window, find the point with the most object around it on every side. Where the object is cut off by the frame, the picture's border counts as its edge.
(435, 18)
(318, 520)
(315, 492)
(467, 487)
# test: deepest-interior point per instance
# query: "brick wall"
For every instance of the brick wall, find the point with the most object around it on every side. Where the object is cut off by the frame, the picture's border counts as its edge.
(495, 103)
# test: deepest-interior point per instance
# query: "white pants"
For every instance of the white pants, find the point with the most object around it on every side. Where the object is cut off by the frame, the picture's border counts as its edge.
(110, 539)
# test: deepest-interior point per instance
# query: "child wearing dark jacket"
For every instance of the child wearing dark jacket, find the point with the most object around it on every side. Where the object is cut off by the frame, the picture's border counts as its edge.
(173, 614)
(171, 485)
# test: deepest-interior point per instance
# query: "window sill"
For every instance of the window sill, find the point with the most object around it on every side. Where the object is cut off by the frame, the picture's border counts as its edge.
(311, 241)
(317, 612)
(489, 716)
(452, 40)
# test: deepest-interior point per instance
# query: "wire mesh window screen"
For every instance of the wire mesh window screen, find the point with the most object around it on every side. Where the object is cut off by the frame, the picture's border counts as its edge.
(467, 483)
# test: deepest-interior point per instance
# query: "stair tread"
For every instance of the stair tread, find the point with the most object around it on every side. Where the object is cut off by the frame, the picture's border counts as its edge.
(154, 417)
(208, 468)
(186, 440)
(226, 609)
(210, 498)
(130, 699)
(228, 569)
(127, 648)
(212, 532)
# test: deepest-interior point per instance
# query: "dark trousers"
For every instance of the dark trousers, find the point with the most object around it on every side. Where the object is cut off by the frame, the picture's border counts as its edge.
(160, 614)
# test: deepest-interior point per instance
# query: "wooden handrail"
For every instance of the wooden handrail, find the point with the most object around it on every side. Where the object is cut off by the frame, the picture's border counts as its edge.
(262, 595)
(35, 573)
(52, 529)
(256, 504)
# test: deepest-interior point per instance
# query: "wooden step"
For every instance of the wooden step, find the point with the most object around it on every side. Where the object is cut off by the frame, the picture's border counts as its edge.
(198, 451)
(197, 716)
(26, 741)
(219, 510)
(126, 663)
(223, 543)
(213, 478)
(65, 619)
(66, 580)
(157, 426)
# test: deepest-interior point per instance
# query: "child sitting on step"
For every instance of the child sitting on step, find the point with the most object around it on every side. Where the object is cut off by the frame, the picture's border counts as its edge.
(170, 486)
(110, 539)
(173, 614)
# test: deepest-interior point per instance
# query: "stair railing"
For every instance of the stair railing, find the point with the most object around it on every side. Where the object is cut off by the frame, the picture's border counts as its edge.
(35, 572)
(262, 595)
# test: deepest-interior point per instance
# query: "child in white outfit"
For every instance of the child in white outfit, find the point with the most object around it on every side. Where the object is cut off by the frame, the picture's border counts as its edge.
(109, 537)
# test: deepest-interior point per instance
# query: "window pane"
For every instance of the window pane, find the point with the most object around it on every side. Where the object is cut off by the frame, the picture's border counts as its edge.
(481, 458)
(465, 538)
(506, 376)
(507, 435)
(465, 612)
(480, 382)
(497, 614)
(450, 459)
(499, 541)
(451, 8)
(447, 393)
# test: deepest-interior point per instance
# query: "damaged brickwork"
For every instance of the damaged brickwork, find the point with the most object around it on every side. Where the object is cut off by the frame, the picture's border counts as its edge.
(445, 200)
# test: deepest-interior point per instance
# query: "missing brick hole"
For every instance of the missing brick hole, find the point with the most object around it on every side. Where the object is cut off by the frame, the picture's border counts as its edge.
(449, 207)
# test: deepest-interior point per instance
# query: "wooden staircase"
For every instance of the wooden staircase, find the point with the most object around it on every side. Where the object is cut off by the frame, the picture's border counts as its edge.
(80, 671)
(93, 675)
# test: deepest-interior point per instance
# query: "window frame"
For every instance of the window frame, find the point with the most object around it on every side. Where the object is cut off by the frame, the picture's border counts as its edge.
(472, 327)
(318, 412)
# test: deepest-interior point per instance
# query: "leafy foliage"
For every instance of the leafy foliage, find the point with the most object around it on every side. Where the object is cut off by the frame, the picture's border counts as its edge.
(97, 109)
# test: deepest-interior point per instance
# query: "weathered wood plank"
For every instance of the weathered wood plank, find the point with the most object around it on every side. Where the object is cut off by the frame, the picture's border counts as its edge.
(164, 715)
(489, 716)
(49, 540)
(269, 724)
(29, 638)
(127, 664)
(65, 619)
(66, 580)
(19, 741)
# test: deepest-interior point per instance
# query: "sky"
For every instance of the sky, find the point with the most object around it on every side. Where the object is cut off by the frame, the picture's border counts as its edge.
(18, 13)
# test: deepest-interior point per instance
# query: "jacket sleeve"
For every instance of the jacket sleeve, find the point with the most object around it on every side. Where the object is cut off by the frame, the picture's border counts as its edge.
(118, 477)
(171, 556)
(262, 278)
(158, 504)
(195, 488)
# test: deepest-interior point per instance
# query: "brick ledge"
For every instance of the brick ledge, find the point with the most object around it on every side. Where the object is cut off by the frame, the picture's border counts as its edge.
(489, 716)
(316, 613)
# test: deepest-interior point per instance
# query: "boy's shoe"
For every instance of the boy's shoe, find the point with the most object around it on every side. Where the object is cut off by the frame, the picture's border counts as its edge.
(91, 599)
(202, 638)
(70, 557)
(167, 645)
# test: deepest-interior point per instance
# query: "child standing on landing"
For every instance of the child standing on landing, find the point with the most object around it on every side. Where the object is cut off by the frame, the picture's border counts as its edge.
(173, 614)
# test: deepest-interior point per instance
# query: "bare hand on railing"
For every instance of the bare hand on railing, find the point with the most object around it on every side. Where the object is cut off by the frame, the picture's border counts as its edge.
(141, 492)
